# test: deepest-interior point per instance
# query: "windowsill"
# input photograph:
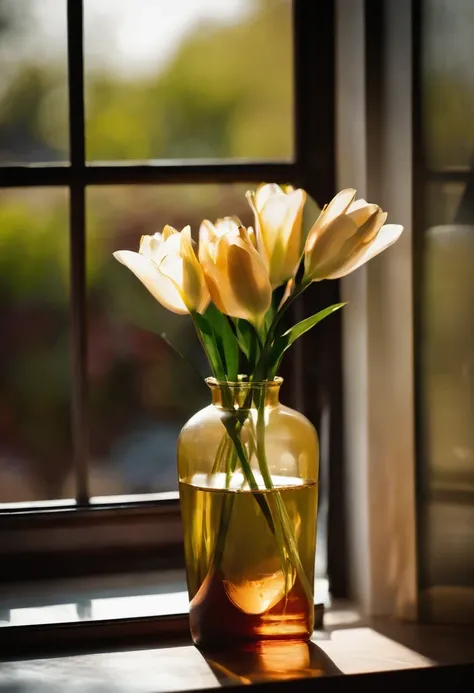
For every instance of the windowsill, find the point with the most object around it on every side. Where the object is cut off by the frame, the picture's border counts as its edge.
(130, 633)
(348, 645)
(105, 597)
(95, 599)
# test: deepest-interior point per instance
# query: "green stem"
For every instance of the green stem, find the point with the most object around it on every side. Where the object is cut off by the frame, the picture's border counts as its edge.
(283, 525)
(230, 466)
(228, 504)
(250, 478)
(281, 312)
(221, 451)
(203, 344)
(234, 434)
(267, 478)
(226, 512)
(261, 369)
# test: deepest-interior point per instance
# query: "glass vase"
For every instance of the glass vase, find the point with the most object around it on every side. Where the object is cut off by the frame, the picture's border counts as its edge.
(248, 479)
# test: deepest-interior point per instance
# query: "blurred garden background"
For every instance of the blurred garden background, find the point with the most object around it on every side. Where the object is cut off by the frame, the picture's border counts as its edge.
(163, 80)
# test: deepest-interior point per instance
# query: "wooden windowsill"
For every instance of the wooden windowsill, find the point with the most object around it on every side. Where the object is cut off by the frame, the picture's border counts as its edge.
(144, 661)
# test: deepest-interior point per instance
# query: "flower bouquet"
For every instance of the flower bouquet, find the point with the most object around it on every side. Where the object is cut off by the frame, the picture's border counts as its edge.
(248, 466)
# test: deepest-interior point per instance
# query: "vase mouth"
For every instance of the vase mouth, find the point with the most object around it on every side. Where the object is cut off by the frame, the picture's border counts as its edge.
(245, 384)
(242, 394)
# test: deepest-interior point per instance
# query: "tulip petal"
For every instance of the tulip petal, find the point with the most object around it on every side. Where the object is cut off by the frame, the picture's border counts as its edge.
(248, 280)
(157, 284)
(251, 236)
(168, 231)
(214, 292)
(151, 246)
(330, 213)
(387, 235)
(172, 243)
(227, 225)
(361, 214)
(280, 226)
(373, 228)
(208, 251)
(338, 205)
(260, 245)
(357, 204)
(265, 192)
(278, 215)
(326, 250)
(195, 293)
(207, 235)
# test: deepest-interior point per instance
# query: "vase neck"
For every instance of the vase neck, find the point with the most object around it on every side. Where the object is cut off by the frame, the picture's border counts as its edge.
(244, 395)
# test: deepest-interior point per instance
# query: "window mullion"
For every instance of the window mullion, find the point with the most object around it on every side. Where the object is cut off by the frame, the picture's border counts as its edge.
(75, 30)
(314, 97)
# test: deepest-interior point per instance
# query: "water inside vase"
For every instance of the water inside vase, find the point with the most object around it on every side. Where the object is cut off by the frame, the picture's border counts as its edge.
(241, 586)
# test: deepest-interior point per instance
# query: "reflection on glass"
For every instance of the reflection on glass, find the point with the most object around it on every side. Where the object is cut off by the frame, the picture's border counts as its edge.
(143, 605)
(449, 347)
(448, 76)
(447, 385)
(102, 597)
(35, 446)
(55, 613)
(101, 609)
(445, 203)
(33, 81)
(141, 391)
(188, 79)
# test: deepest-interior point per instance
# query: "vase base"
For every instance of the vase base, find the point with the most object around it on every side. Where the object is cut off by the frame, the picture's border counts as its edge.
(216, 620)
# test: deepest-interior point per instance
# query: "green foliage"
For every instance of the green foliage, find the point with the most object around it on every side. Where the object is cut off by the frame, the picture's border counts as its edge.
(225, 340)
(209, 342)
(34, 244)
(282, 343)
(226, 93)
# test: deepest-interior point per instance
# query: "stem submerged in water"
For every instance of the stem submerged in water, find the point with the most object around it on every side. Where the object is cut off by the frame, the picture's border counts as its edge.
(277, 517)
(286, 536)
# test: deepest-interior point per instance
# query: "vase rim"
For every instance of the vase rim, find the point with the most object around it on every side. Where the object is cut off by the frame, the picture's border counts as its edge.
(244, 384)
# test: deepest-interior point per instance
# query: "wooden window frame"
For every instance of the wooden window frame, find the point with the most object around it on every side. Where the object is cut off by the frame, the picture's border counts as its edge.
(89, 536)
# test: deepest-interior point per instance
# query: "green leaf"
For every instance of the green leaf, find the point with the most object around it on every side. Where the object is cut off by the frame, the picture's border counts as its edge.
(243, 330)
(254, 352)
(226, 341)
(269, 315)
(249, 343)
(287, 338)
(300, 328)
(208, 340)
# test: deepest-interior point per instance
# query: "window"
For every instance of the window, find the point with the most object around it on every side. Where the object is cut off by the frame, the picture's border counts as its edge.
(153, 127)
(444, 255)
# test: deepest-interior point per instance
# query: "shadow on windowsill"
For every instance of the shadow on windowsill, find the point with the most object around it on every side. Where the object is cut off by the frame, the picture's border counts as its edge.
(269, 661)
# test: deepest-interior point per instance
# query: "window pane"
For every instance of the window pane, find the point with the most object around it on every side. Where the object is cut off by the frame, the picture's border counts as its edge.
(448, 79)
(35, 445)
(33, 81)
(446, 203)
(141, 392)
(447, 389)
(184, 79)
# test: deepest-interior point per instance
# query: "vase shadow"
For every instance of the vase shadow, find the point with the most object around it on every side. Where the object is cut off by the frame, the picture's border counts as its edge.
(269, 661)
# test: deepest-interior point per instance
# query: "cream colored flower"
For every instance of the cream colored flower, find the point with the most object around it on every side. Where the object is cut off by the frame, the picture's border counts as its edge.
(235, 273)
(346, 234)
(167, 265)
(278, 217)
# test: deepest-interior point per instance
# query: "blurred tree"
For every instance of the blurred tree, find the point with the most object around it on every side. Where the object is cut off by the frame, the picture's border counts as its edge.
(226, 93)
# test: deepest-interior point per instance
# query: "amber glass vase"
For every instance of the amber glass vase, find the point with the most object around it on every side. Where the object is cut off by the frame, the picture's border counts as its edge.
(248, 478)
